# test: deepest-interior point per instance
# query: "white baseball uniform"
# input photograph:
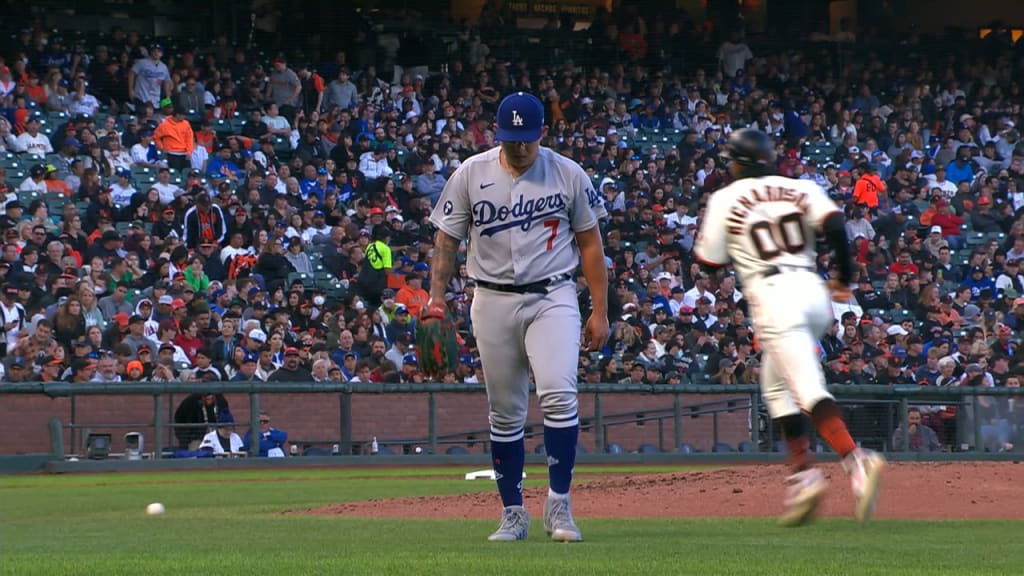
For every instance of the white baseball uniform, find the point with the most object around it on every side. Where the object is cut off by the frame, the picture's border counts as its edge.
(521, 232)
(766, 227)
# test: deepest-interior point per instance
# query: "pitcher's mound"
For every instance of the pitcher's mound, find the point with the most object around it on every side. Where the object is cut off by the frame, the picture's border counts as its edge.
(951, 490)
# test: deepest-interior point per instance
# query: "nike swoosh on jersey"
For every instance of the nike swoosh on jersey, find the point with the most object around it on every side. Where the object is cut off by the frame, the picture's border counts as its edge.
(488, 185)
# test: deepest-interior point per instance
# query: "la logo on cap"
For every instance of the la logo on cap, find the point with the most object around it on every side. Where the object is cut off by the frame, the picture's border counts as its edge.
(517, 120)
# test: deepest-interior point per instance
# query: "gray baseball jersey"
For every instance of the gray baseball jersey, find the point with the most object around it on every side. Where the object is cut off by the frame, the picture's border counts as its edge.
(521, 230)
(149, 79)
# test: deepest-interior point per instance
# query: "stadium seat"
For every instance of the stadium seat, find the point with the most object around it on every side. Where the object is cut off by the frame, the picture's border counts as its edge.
(385, 451)
(540, 449)
(648, 449)
(685, 448)
(459, 450)
(745, 446)
(614, 448)
(722, 447)
(316, 452)
(975, 238)
(818, 447)
(581, 449)
(780, 446)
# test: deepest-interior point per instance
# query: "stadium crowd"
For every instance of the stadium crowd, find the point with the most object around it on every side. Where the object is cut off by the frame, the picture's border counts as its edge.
(214, 213)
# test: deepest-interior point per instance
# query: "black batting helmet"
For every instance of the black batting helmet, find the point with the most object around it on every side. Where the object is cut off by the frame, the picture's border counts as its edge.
(750, 147)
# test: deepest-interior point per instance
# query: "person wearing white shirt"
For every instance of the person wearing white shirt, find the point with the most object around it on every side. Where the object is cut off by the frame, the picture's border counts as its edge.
(199, 158)
(318, 227)
(276, 124)
(681, 217)
(223, 439)
(140, 152)
(700, 289)
(36, 180)
(81, 101)
(31, 141)
(374, 164)
(167, 190)
(614, 198)
(275, 182)
(230, 251)
(1011, 278)
(948, 187)
(117, 156)
(121, 191)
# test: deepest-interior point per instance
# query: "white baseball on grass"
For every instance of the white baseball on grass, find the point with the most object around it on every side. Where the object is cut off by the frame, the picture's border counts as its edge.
(155, 509)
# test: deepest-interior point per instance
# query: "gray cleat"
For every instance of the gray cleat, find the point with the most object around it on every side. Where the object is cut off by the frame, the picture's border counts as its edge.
(558, 520)
(515, 524)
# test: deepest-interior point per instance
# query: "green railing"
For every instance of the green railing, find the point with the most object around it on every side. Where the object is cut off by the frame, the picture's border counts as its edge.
(901, 397)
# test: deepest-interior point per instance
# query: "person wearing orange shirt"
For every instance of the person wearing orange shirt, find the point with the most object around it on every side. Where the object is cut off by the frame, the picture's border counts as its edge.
(867, 188)
(412, 295)
(174, 136)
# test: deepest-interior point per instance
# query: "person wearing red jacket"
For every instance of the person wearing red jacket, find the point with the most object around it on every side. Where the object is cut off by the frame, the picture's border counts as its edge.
(904, 264)
(950, 224)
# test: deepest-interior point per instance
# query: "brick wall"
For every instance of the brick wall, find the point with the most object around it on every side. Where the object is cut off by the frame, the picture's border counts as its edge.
(318, 417)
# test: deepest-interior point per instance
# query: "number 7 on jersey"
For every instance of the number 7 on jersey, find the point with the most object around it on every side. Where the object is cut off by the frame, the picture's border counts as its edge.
(553, 224)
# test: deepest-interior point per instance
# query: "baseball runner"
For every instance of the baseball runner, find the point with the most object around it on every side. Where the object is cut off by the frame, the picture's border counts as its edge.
(765, 225)
(529, 215)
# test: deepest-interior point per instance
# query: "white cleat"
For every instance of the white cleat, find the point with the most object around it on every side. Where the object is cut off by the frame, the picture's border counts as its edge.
(804, 493)
(515, 525)
(865, 468)
(558, 522)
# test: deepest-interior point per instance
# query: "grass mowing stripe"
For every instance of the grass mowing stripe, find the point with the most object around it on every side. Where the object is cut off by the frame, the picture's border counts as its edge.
(294, 545)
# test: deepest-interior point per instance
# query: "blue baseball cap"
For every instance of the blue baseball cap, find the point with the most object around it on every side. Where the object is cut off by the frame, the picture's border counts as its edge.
(409, 359)
(421, 267)
(520, 118)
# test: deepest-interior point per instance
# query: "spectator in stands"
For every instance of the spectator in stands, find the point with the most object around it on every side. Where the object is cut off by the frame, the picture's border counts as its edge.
(292, 370)
(222, 439)
(32, 141)
(149, 80)
(283, 86)
(921, 437)
(273, 443)
(341, 92)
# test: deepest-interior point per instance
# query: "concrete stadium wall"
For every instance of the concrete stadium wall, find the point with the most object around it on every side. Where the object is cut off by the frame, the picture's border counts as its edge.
(387, 416)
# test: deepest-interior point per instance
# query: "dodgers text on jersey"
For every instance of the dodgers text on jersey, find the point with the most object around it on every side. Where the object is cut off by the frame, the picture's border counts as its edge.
(491, 218)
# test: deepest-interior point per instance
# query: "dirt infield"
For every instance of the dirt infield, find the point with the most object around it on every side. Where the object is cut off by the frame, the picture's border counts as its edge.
(952, 490)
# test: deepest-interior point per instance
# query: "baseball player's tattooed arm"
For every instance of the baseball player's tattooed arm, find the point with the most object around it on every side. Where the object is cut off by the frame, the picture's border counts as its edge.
(442, 265)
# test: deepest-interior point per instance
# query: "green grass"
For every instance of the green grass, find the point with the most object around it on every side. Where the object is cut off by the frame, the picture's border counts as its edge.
(230, 523)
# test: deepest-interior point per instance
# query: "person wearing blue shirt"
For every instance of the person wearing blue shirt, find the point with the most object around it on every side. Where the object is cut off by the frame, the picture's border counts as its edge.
(961, 169)
(247, 370)
(221, 165)
(430, 183)
(320, 187)
(977, 281)
(273, 442)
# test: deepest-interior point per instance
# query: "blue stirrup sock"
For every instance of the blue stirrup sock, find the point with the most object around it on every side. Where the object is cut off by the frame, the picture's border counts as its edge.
(560, 444)
(508, 459)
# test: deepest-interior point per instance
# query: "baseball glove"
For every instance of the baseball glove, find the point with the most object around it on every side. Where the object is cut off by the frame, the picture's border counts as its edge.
(436, 347)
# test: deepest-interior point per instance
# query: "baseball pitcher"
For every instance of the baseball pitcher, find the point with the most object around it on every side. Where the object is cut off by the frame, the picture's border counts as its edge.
(765, 225)
(529, 216)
